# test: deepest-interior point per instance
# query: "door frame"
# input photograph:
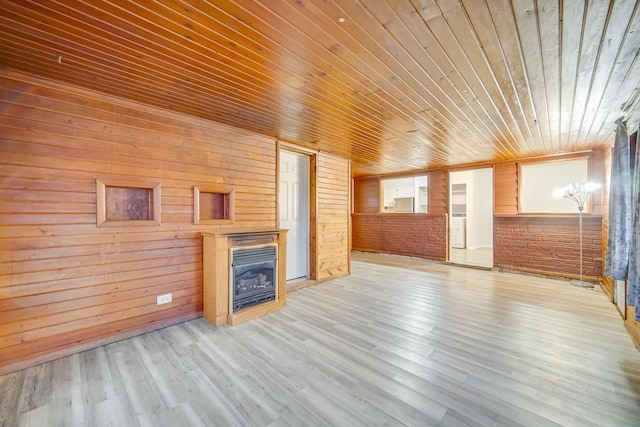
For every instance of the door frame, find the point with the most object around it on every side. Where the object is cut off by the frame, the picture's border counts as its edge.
(471, 183)
(313, 200)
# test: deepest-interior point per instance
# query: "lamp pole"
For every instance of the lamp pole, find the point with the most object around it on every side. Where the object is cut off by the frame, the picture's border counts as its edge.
(578, 192)
(580, 208)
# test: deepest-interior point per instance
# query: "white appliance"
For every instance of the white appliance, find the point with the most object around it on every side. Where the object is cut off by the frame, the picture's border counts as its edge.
(403, 204)
(458, 232)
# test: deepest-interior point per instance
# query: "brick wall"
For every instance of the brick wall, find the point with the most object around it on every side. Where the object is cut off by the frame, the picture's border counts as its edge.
(418, 235)
(544, 245)
(548, 245)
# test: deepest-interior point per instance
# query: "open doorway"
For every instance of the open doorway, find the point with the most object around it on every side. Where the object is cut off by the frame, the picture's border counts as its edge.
(294, 212)
(471, 223)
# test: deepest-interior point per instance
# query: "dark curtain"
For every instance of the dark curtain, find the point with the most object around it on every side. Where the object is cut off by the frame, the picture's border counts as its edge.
(620, 221)
(633, 293)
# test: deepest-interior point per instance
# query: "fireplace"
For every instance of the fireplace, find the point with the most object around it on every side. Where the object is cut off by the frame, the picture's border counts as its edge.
(243, 274)
(253, 276)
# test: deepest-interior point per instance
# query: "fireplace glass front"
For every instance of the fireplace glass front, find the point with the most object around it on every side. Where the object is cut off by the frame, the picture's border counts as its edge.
(254, 276)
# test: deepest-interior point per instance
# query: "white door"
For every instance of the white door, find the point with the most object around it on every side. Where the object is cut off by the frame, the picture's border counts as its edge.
(294, 211)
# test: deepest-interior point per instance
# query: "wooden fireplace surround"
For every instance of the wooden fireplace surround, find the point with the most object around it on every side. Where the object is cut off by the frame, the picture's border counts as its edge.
(216, 272)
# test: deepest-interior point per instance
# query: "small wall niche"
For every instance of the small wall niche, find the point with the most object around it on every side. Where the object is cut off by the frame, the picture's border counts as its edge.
(127, 203)
(213, 205)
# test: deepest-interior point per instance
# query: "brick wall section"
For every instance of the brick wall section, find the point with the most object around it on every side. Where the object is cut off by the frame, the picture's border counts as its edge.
(548, 245)
(419, 235)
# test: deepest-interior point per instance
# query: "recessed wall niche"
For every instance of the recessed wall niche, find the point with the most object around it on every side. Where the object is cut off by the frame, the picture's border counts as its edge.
(127, 203)
(213, 205)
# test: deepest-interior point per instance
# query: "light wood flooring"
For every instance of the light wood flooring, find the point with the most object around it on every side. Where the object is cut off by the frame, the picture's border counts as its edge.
(481, 257)
(399, 342)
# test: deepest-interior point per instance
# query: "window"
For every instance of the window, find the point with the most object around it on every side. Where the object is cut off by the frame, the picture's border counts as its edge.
(539, 180)
(213, 205)
(127, 203)
(408, 194)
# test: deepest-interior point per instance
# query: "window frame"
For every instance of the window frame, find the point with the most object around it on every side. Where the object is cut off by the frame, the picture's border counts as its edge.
(570, 209)
(102, 202)
(416, 197)
(229, 199)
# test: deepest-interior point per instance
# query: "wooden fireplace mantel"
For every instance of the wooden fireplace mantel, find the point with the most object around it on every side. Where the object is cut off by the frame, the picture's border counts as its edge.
(216, 271)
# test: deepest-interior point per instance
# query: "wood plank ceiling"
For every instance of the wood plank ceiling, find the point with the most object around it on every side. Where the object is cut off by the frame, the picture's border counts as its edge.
(394, 85)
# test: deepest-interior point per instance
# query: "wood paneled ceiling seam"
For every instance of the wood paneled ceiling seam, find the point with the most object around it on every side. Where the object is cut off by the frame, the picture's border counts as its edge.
(418, 121)
(493, 74)
(584, 69)
(540, 113)
(97, 57)
(387, 23)
(517, 67)
(410, 85)
(437, 26)
(421, 24)
(474, 71)
(615, 63)
(351, 111)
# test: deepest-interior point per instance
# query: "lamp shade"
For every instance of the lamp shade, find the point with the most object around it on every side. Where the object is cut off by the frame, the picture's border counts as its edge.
(577, 191)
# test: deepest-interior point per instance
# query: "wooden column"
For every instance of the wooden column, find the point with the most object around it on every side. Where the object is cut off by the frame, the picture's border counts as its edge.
(215, 271)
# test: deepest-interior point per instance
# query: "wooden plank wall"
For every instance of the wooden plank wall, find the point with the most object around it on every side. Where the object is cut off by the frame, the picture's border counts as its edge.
(66, 284)
(366, 195)
(596, 174)
(505, 192)
(439, 191)
(607, 282)
(333, 233)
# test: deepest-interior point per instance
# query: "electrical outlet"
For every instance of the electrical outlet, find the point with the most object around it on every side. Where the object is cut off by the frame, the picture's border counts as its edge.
(164, 299)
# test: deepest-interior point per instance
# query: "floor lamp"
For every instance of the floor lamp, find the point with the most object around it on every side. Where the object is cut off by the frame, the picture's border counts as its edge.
(578, 192)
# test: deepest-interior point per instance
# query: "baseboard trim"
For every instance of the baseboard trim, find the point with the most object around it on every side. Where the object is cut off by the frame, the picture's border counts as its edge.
(543, 273)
